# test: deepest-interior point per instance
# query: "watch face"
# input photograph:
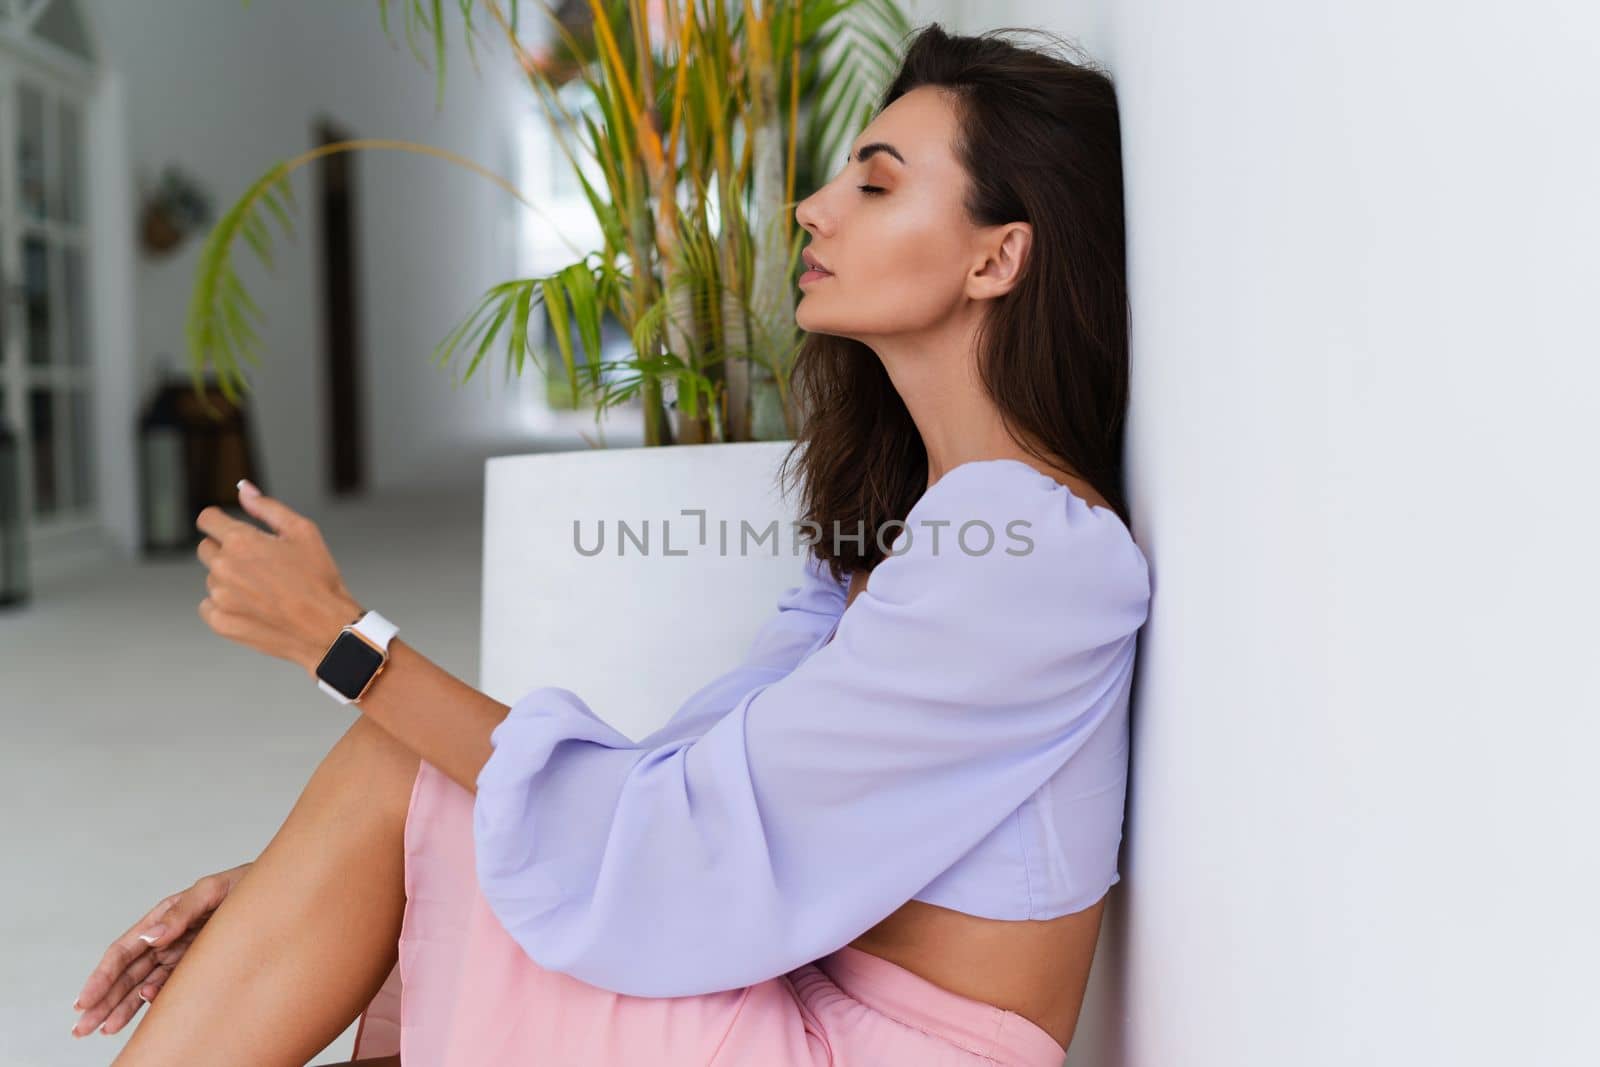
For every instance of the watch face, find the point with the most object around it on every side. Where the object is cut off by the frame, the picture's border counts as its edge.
(349, 664)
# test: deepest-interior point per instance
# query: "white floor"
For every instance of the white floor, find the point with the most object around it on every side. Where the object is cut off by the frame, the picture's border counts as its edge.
(139, 751)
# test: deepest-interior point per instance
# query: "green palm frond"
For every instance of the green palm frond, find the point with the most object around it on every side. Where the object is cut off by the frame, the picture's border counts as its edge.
(495, 307)
(704, 120)
(572, 296)
(216, 324)
(425, 22)
(217, 330)
(695, 305)
(871, 34)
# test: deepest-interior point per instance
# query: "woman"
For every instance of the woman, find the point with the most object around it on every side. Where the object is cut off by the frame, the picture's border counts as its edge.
(887, 835)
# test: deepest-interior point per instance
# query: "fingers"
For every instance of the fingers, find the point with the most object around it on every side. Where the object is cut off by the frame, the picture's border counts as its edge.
(222, 527)
(151, 986)
(279, 516)
(120, 989)
(138, 963)
(125, 1009)
(123, 951)
(199, 900)
(137, 985)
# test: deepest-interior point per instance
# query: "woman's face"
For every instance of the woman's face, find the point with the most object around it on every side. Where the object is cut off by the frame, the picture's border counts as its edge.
(898, 260)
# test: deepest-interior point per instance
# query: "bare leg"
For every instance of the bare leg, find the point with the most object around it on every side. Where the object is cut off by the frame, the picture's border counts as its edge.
(307, 937)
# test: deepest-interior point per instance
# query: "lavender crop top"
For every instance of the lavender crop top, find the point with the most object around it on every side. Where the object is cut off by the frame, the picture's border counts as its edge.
(962, 740)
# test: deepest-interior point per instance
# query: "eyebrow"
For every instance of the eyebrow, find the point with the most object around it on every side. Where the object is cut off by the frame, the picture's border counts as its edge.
(867, 151)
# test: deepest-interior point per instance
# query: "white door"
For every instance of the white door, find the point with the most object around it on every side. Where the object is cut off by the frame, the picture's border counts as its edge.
(46, 76)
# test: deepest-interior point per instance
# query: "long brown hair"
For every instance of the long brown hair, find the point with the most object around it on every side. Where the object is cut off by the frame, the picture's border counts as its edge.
(1041, 143)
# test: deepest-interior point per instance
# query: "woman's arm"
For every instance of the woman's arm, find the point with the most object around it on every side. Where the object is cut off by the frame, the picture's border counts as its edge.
(432, 712)
(278, 591)
(447, 722)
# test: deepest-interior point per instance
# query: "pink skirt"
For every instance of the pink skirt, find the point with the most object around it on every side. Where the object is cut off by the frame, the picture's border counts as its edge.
(464, 994)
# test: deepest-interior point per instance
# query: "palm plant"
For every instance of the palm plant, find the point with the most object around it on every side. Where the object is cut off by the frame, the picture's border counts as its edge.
(709, 115)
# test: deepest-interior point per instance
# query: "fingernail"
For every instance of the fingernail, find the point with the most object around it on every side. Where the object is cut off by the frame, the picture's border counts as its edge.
(247, 488)
(150, 935)
(143, 997)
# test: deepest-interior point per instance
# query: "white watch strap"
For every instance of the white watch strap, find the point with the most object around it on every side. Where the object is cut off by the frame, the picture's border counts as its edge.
(376, 628)
(334, 693)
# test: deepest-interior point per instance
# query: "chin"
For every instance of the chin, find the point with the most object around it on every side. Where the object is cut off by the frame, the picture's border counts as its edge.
(811, 322)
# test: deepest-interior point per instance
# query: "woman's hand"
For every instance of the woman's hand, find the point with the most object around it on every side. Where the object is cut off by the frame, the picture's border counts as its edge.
(133, 970)
(278, 590)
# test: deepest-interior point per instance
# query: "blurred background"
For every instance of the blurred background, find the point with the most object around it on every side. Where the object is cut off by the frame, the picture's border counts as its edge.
(138, 750)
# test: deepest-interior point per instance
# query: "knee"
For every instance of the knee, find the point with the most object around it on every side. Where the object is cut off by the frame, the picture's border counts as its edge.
(380, 763)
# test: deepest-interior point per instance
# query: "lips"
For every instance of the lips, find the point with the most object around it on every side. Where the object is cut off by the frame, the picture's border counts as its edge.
(813, 262)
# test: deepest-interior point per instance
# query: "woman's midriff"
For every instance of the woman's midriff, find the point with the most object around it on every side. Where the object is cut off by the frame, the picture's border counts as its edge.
(1036, 968)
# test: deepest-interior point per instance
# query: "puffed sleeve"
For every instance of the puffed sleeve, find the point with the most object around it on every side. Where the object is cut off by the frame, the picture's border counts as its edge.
(956, 683)
(806, 612)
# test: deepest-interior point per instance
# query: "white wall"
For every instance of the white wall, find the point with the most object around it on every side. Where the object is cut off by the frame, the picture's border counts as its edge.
(1362, 256)
(226, 91)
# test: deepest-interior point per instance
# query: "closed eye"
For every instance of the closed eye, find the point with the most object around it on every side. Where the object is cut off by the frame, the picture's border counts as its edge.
(870, 190)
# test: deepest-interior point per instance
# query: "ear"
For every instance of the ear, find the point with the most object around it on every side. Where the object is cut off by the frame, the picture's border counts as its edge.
(1008, 252)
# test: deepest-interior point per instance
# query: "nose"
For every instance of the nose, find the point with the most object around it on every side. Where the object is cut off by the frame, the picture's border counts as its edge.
(808, 215)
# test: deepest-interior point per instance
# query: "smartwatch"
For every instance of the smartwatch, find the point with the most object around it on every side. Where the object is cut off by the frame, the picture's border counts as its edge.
(356, 657)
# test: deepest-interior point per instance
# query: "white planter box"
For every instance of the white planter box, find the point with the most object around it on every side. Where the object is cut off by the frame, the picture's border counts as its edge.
(655, 614)
(634, 632)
